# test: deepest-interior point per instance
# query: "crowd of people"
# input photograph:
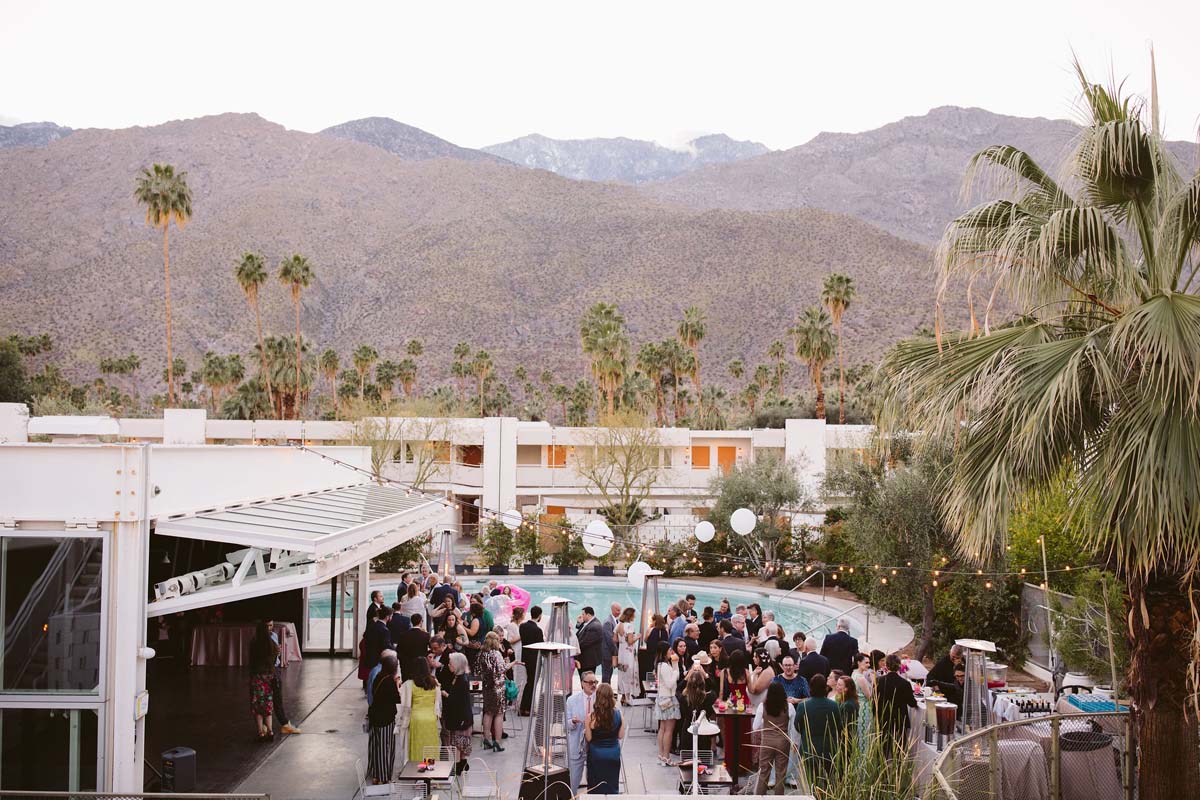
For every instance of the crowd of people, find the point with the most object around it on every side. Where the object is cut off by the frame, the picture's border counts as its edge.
(807, 703)
(423, 656)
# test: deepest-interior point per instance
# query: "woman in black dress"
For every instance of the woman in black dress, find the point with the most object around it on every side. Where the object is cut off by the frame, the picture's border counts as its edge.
(381, 740)
(457, 715)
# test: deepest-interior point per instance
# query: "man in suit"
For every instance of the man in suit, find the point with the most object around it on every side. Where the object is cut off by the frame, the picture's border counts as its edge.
(441, 591)
(376, 637)
(942, 674)
(591, 641)
(579, 708)
(754, 620)
(413, 645)
(609, 656)
(708, 629)
(398, 624)
(840, 648)
(531, 633)
(893, 698)
(691, 635)
(677, 620)
(731, 640)
(402, 589)
(813, 662)
(377, 603)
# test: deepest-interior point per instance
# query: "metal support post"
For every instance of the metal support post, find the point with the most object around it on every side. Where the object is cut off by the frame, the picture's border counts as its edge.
(994, 764)
(1055, 759)
(1129, 759)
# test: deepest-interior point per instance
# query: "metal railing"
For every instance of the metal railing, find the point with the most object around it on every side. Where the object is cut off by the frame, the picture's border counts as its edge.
(1056, 756)
(13, 793)
(839, 615)
(806, 580)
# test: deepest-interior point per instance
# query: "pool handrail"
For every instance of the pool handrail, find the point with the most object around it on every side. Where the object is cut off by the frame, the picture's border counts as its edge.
(841, 614)
(820, 572)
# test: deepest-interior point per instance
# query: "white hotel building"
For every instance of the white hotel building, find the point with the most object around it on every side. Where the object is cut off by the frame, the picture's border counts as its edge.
(93, 510)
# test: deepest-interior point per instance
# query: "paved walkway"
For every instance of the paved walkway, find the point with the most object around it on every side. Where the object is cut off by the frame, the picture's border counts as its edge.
(319, 764)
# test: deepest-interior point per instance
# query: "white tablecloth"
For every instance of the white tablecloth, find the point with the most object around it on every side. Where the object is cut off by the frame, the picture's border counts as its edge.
(228, 645)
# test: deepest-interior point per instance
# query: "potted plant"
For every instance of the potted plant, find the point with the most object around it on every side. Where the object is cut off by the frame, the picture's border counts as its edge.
(464, 569)
(496, 547)
(527, 543)
(604, 565)
(571, 554)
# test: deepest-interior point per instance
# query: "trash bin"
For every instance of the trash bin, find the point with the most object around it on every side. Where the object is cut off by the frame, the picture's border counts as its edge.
(179, 770)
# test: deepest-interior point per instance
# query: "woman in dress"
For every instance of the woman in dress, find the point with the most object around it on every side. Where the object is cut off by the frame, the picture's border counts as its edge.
(773, 721)
(473, 621)
(627, 671)
(864, 684)
(764, 672)
(457, 715)
(717, 654)
(666, 704)
(263, 652)
(847, 698)
(735, 679)
(381, 720)
(604, 731)
(420, 709)
(492, 667)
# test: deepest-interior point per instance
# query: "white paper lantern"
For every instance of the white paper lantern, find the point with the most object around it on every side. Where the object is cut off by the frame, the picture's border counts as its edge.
(742, 521)
(705, 531)
(637, 573)
(597, 538)
(512, 519)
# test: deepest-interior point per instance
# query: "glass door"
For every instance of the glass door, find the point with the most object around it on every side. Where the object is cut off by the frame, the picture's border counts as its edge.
(329, 615)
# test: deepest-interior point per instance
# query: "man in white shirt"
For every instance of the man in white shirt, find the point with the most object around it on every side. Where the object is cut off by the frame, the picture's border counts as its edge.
(579, 708)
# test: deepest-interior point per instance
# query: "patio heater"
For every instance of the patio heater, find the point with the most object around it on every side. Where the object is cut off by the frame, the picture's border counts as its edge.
(445, 565)
(546, 775)
(649, 608)
(976, 708)
(561, 629)
(700, 727)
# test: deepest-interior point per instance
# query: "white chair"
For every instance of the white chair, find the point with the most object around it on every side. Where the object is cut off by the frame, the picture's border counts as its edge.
(365, 789)
(645, 707)
(446, 755)
(409, 790)
(479, 782)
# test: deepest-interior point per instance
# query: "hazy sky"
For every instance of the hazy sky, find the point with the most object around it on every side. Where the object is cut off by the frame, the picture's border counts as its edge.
(480, 73)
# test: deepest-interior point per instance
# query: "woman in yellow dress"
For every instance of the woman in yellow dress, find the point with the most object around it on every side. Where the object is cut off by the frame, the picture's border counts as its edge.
(420, 710)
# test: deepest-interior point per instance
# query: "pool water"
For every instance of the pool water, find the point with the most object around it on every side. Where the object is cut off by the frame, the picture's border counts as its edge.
(793, 614)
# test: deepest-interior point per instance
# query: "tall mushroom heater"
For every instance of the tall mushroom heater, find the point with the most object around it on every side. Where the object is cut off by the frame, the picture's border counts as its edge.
(445, 565)
(561, 629)
(976, 708)
(648, 579)
(546, 775)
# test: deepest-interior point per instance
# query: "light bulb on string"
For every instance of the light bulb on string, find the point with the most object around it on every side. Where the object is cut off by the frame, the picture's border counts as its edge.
(987, 584)
(883, 581)
(935, 583)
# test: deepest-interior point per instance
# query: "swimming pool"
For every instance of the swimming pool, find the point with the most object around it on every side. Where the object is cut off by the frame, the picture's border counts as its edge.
(793, 613)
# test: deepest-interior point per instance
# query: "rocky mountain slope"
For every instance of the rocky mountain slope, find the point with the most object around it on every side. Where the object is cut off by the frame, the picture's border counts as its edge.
(406, 141)
(445, 250)
(31, 134)
(905, 177)
(621, 160)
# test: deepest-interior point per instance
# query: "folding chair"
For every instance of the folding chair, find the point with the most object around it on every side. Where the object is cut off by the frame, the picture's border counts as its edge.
(479, 782)
(365, 789)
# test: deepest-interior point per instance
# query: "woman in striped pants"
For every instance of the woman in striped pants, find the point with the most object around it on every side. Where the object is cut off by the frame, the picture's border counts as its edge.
(381, 741)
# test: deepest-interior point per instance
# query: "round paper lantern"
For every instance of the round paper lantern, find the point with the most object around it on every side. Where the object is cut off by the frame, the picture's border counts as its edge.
(512, 519)
(597, 538)
(742, 521)
(637, 573)
(705, 531)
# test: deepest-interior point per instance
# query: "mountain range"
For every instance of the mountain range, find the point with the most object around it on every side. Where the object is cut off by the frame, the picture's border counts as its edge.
(445, 250)
(30, 134)
(413, 236)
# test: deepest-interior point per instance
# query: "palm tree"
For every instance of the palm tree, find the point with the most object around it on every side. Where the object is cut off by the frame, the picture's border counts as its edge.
(364, 356)
(737, 368)
(691, 332)
(777, 352)
(1095, 378)
(406, 373)
(750, 398)
(385, 378)
(652, 361)
(415, 348)
(167, 198)
(482, 367)
(297, 274)
(329, 363)
(602, 334)
(836, 295)
(460, 369)
(813, 339)
(251, 273)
